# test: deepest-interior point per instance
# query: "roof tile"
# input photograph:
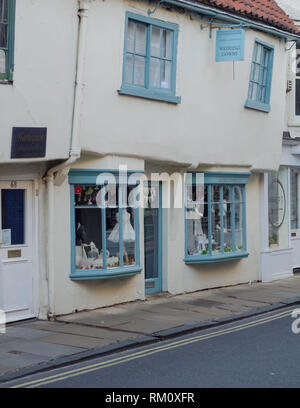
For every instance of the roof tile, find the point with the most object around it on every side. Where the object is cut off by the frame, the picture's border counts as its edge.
(266, 11)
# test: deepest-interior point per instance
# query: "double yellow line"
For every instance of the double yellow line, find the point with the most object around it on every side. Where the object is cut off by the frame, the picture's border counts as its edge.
(148, 352)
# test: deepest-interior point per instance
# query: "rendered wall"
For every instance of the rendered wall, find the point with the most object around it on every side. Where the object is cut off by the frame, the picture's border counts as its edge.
(42, 91)
(211, 119)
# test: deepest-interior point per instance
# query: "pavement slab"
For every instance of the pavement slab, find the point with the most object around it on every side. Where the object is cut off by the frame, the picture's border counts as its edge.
(72, 340)
(38, 348)
(28, 344)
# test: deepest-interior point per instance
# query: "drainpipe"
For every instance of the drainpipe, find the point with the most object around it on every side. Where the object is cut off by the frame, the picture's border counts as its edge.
(74, 153)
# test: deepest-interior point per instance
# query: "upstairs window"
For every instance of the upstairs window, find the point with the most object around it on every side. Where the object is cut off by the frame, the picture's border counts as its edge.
(149, 59)
(7, 18)
(298, 81)
(260, 77)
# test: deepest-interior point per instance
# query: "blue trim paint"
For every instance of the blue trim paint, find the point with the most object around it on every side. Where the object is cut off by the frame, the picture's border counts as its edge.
(109, 273)
(146, 91)
(89, 176)
(149, 94)
(231, 256)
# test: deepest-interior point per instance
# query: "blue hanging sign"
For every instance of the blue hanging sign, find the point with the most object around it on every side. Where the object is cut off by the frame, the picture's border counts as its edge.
(230, 45)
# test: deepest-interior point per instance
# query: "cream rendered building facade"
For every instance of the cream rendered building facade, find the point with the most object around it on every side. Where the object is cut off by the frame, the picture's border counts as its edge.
(73, 255)
(281, 256)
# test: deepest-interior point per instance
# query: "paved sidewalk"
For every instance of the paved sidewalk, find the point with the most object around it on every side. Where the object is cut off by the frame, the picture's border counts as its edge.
(29, 346)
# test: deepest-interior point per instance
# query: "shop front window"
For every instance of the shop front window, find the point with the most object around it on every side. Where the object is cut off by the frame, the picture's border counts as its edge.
(106, 230)
(215, 218)
(277, 204)
(294, 199)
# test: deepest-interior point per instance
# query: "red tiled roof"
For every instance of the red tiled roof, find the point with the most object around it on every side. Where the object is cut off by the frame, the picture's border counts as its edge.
(266, 11)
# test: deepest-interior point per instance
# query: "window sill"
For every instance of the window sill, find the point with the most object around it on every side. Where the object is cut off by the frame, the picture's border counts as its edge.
(87, 274)
(215, 258)
(263, 107)
(150, 94)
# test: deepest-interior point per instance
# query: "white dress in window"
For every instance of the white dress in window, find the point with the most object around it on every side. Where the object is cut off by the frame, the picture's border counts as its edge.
(128, 231)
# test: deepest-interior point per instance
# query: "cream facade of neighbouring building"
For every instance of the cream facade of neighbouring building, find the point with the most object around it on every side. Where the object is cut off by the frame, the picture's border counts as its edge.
(84, 81)
(281, 236)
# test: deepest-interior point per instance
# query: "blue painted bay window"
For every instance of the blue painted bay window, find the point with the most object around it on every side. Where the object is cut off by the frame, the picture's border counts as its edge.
(104, 226)
(149, 65)
(215, 217)
(259, 91)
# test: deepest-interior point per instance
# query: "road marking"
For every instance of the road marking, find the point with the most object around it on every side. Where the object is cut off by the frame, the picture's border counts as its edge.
(147, 352)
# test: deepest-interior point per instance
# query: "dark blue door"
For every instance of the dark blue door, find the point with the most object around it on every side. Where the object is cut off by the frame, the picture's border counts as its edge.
(153, 239)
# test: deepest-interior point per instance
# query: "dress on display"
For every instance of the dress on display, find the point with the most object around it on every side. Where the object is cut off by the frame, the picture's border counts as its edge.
(128, 231)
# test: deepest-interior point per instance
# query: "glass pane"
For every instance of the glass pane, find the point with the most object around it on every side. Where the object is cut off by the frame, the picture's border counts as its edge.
(3, 35)
(129, 68)
(166, 44)
(2, 62)
(88, 227)
(265, 58)
(294, 199)
(130, 36)
(196, 194)
(238, 209)
(86, 195)
(278, 220)
(13, 216)
(139, 70)
(238, 194)
(258, 55)
(250, 91)
(197, 230)
(155, 42)
(129, 236)
(215, 194)
(3, 10)
(298, 59)
(155, 72)
(297, 97)
(216, 228)
(227, 207)
(255, 91)
(140, 39)
(256, 73)
(227, 194)
(113, 234)
(166, 74)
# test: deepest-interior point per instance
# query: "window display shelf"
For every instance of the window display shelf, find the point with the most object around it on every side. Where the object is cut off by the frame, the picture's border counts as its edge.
(85, 274)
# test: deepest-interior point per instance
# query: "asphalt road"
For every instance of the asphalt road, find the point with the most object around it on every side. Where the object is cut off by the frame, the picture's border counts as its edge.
(257, 352)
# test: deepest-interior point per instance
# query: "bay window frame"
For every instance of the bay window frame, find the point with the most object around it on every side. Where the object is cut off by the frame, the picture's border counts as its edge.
(221, 180)
(89, 178)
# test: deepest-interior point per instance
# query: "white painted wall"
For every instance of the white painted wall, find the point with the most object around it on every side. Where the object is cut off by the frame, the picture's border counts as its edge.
(210, 120)
(42, 91)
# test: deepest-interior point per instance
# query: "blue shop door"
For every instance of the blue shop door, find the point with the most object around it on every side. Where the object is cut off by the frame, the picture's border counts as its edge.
(153, 239)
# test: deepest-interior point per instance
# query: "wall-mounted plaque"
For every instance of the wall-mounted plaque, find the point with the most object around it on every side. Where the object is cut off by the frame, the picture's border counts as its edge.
(28, 142)
(14, 253)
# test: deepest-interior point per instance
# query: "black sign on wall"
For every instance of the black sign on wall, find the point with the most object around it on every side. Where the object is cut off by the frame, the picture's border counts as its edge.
(28, 142)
